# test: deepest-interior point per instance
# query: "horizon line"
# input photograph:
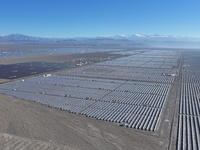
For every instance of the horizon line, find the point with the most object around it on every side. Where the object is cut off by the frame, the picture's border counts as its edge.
(139, 35)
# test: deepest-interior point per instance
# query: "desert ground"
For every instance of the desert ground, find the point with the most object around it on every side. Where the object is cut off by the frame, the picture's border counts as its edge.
(26, 125)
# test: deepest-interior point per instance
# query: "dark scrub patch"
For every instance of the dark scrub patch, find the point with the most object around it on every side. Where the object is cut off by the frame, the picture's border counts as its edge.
(20, 70)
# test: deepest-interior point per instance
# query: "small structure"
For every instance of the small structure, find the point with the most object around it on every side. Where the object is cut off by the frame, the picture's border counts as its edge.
(173, 74)
(46, 75)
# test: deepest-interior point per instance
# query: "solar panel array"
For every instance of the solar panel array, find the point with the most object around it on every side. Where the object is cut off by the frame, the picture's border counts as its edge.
(121, 100)
(189, 112)
(141, 67)
(117, 91)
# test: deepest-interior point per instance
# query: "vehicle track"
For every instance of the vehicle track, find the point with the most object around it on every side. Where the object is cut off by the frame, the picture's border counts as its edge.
(8, 142)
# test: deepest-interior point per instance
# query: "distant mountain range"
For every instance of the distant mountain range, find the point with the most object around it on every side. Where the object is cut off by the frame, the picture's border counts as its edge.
(116, 40)
(21, 37)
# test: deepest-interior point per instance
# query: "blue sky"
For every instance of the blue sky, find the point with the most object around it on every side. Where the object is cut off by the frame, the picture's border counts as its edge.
(78, 18)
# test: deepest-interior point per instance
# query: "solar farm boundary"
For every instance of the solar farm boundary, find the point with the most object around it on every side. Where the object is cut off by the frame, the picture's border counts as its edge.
(167, 128)
(174, 126)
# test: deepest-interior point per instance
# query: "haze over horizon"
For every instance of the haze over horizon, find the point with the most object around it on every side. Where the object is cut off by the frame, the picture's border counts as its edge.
(89, 18)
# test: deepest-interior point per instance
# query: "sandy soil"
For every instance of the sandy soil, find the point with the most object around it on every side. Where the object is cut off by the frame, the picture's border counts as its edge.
(11, 142)
(21, 45)
(57, 58)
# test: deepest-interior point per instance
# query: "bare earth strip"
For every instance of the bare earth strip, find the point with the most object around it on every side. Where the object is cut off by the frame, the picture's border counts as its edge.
(3, 81)
(55, 58)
